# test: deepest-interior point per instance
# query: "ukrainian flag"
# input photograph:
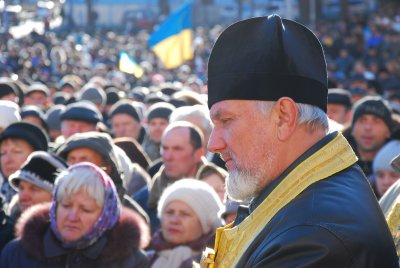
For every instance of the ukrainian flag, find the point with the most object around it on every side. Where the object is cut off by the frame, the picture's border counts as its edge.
(172, 41)
(129, 65)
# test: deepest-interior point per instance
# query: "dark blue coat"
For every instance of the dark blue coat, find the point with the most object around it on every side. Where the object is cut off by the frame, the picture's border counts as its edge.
(6, 229)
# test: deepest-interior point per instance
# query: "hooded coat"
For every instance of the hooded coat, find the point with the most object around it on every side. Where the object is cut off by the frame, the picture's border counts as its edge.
(36, 245)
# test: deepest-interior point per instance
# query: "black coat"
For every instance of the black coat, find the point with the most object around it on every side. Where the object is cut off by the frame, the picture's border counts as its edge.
(37, 246)
(334, 223)
(6, 229)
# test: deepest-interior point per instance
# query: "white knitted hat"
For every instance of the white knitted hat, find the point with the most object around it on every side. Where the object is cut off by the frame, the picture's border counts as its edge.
(200, 196)
(9, 113)
(385, 155)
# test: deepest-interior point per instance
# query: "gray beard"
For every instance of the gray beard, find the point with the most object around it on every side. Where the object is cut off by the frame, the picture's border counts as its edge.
(241, 185)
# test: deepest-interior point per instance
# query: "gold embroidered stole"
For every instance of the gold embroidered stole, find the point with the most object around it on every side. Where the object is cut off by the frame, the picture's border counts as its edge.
(393, 220)
(231, 243)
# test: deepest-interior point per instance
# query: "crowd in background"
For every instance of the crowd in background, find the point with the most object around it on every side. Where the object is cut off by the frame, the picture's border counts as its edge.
(64, 96)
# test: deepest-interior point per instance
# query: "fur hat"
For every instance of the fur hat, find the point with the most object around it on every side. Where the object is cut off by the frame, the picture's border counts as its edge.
(68, 83)
(53, 115)
(82, 111)
(154, 97)
(200, 196)
(8, 85)
(7, 88)
(339, 96)
(61, 97)
(160, 110)
(9, 113)
(94, 94)
(357, 91)
(38, 87)
(28, 132)
(99, 142)
(374, 106)
(113, 95)
(40, 169)
(133, 150)
(266, 58)
(385, 155)
(33, 110)
(125, 107)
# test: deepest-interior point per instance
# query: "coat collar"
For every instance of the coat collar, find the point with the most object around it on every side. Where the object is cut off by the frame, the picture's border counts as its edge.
(127, 236)
(267, 190)
(52, 248)
(244, 211)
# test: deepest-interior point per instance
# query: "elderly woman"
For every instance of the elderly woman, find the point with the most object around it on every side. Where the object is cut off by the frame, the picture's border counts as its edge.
(188, 210)
(83, 227)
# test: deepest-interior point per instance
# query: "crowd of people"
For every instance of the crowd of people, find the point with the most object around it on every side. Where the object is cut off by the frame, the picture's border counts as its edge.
(101, 168)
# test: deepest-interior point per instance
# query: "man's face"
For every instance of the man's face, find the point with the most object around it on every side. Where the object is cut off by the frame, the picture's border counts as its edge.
(244, 139)
(36, 98)
(70, 127)
(179, 157)
(124, 125)
(339, 113)
(370, 133)
(30, 194)
(156, 128)
(11, 97)
(84, 154)
(34, 120)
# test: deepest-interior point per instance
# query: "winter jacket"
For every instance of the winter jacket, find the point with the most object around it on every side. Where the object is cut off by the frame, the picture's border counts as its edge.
(36, 245)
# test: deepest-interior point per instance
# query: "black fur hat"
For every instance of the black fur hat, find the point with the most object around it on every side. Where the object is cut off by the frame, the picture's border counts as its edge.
(82, 111)
(40, 169)
(28, 132)
(125, 107)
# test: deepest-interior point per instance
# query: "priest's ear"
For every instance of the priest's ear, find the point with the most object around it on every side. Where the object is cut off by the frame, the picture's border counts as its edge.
(287, 113)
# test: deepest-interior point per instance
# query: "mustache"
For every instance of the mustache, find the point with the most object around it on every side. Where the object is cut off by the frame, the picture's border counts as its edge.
(227, 156)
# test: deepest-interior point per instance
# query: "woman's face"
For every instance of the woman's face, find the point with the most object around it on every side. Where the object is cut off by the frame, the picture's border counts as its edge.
(76, 214)
(384, 179)
(180, 223)
(217, 183)
(30, 194)
(13, 153)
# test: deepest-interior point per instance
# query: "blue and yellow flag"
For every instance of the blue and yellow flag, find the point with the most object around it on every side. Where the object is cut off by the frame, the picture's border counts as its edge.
(172, 41)
(129, 65)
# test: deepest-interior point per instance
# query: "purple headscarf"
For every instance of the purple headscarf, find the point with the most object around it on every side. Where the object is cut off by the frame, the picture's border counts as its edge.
(108, 217)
